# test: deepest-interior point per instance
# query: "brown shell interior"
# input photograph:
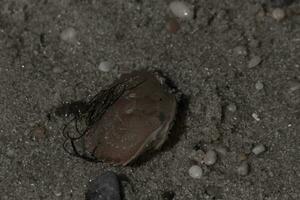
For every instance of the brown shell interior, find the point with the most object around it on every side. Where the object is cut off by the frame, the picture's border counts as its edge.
(125, 127)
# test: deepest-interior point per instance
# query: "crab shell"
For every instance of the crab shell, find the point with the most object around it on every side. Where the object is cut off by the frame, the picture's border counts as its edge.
(138, 121)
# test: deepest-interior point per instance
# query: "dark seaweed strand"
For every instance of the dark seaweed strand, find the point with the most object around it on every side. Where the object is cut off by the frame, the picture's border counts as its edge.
(96, 109)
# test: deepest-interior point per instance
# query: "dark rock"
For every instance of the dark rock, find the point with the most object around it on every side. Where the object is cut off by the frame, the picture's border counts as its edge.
(168, 195)
(104, 187)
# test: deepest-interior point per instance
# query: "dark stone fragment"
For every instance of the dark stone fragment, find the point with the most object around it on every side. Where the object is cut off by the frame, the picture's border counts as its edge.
(168, 195)
(104, 187)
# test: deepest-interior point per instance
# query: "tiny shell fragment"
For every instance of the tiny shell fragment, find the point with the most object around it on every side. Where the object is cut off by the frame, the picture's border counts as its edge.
(137, 121)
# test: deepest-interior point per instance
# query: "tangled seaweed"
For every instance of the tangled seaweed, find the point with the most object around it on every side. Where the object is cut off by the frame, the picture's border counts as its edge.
(90, 113)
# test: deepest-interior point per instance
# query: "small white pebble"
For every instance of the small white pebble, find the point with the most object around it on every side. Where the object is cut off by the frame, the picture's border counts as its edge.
(10, 153)
(231, 107)
(243, 169)
(210, 157)
(57, 193)
(105, 66)
(181, 9)
(278, 14)
(254, 61)
(195, 171)
(258, 149)
(240, 50)
(259, 85)
(68, 35)
(255, 116)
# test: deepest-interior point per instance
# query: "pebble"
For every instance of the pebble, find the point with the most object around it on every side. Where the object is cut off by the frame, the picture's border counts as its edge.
(259, 85)
(210, 157)
(231, 107)
(68, 35)
(103, 187)
(258, 149)
(105, 66)
(278, 14)
(240, 50)
(255, 116)
(243, 169)
(181, 9)
(254, 61)
(196, 172)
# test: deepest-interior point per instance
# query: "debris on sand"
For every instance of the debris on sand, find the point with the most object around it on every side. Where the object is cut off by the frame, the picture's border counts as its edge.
(132, 116)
